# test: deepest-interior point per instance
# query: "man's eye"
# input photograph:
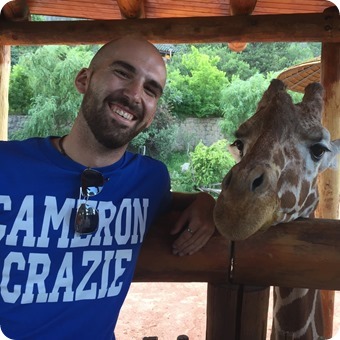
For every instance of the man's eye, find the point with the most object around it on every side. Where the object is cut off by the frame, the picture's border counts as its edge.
(317, 151)
(151, 92)
(121, 73)
(239, 145)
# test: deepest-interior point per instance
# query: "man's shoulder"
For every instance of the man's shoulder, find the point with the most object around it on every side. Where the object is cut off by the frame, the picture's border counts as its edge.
(16, 145)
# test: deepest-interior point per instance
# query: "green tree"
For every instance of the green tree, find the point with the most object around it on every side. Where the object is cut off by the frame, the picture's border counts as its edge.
(51, 71)
(256, 58)
(268, 57)
(20, 91)
(193, 88)
(229, 62)
(239, 100)
(210, 164)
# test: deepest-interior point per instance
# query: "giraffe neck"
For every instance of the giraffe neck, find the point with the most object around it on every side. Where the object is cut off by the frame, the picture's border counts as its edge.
(297, 314)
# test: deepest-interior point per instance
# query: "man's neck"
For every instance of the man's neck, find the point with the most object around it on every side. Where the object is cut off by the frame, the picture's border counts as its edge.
(87, 153)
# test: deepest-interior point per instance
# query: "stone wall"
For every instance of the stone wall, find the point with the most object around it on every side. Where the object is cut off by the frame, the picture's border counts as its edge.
(191, 130)
(15, 123)
(194, 130)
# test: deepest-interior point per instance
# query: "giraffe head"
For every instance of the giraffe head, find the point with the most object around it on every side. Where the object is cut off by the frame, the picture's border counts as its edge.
(280, 151)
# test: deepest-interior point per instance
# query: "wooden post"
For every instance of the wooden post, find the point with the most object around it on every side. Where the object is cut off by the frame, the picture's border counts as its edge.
(5, 67)
(236, 312)
(329, 181)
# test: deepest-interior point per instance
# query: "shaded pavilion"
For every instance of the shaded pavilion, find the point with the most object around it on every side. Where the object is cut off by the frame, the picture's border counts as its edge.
(231, 300)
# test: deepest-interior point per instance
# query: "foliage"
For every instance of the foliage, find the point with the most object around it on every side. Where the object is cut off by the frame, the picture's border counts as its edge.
(182, 181)
(210, 164)
(260, 57)
(229, 62)
(264, 57)
(239, 101)
(160, 136)
(197, 74)
(296, 96)
(20, 91)
(193, 88)
(51, 71)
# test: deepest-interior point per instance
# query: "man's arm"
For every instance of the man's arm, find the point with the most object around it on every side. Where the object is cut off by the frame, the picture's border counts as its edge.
(195, 224)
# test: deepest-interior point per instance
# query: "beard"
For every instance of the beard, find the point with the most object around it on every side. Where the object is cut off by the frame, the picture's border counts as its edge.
(107, 131)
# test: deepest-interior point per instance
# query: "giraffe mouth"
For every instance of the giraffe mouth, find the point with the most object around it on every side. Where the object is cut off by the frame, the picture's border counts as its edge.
(237, 220)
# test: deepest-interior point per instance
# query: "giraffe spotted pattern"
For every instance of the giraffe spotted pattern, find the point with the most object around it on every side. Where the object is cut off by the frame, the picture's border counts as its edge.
(280, 151)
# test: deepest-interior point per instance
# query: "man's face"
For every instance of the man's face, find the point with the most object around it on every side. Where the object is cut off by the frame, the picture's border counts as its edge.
(122, 92)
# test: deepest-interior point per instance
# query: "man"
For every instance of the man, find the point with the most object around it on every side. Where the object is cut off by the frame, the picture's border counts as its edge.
(74, 210)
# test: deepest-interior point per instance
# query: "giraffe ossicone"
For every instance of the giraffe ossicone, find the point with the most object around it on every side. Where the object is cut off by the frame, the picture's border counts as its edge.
(280, 151)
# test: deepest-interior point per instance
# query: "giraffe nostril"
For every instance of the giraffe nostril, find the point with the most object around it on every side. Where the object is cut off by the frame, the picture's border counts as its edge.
(257, 182)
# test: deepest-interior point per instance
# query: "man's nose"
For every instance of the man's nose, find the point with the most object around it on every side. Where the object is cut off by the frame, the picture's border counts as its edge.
(134, 90)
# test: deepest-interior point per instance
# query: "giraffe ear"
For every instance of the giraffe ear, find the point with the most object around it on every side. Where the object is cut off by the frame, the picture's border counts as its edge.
(275, 87)
(313, 99)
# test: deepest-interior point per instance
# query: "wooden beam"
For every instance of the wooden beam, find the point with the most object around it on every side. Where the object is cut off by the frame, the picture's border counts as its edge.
(16, 10)
(303, 253)
(255, 28)
(157, 263)
(236, 312)
(131, 9)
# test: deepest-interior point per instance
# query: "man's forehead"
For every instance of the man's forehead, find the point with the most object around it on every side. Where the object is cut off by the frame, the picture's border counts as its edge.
(145, 60)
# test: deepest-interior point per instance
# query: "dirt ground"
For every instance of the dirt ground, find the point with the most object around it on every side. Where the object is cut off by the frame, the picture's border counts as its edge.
(167, 310)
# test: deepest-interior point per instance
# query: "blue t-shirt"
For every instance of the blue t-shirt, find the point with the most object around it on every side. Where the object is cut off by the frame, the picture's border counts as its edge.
(56, 284)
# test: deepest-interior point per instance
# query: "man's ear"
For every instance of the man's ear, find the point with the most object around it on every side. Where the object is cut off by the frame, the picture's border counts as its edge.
(81, 80)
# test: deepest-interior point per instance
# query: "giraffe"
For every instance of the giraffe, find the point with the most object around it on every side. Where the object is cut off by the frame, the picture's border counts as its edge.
(280, 151)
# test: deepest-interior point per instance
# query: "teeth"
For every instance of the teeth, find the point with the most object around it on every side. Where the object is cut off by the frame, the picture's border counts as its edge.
(123, 114)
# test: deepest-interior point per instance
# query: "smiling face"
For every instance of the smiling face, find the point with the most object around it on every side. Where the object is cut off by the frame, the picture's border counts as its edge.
(281, 150)
(121, 90)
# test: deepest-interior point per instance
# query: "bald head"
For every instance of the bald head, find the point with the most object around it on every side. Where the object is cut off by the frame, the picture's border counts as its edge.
(126, 48)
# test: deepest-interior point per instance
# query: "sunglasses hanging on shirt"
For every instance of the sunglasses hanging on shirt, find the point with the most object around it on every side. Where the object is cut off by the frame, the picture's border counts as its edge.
(87, 217)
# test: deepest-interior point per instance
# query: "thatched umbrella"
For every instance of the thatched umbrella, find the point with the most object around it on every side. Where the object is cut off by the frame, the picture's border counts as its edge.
(299, 76)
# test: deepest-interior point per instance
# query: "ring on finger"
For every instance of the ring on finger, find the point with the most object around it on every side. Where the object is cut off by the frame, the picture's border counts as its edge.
(189, 230)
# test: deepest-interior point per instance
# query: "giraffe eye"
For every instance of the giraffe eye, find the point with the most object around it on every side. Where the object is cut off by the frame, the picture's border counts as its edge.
(317, 151)
(239, 145)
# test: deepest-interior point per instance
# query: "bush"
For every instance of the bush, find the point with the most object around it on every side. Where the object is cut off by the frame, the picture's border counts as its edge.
(20, 91)
(194, 87)
(210, 164)
(181, 181)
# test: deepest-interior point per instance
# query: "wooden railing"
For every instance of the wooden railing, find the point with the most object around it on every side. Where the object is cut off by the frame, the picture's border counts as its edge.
(303, 253)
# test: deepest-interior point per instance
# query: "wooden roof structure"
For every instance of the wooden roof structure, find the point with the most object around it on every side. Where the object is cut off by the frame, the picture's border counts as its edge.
(168, 21)
(116, 9)
(196, 21)
(297, 77)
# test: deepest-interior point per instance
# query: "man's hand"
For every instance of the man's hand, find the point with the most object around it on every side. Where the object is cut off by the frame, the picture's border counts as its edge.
(195, 224)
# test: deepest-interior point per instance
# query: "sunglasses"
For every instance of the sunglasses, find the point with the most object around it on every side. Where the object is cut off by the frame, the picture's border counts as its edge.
(87, 217)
